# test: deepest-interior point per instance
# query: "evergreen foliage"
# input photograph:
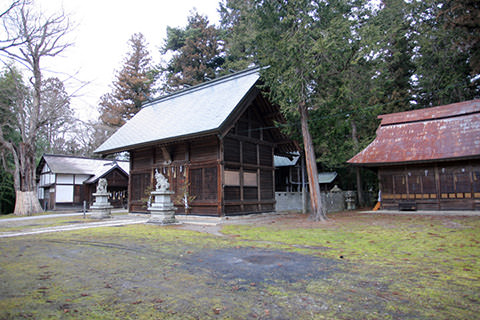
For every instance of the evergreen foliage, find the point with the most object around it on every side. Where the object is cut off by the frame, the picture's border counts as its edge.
(239, 34)
(197, 53)
(31, 36)
(444, 69)
(132, 87)
(463, 16)
(9, 79)
(351, 60)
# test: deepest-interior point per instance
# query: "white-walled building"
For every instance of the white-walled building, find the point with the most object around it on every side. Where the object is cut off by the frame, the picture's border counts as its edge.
(66, 181)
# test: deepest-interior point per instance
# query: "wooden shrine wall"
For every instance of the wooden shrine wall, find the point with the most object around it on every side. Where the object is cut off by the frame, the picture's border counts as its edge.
(248, 178)
(225, 174)
(439, 186)
(190, 167)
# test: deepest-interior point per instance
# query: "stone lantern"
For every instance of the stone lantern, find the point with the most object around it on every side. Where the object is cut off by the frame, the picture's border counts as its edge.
(350, 200)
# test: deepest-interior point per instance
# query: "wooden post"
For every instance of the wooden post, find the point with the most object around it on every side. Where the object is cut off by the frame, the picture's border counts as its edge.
(304, 191)
(361, 201)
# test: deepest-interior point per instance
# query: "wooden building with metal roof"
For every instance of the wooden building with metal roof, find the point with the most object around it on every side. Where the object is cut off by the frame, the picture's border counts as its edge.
(428, 159)
(214, 142)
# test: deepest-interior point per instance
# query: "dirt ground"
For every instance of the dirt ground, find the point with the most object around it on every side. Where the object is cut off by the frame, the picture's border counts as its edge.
(281, 267)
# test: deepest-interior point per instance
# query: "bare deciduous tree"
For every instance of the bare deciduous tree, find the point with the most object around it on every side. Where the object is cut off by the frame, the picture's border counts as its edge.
(56, 118)
(88, 136)
(39, 36)
(9, 40)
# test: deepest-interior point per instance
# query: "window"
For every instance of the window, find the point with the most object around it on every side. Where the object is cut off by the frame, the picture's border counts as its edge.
(203, 183)
(250, 179)
(232, 178)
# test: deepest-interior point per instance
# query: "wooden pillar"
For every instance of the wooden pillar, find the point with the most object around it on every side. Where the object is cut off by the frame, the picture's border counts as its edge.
(437, 186)
(220, 167)
(129, 187)
(242, 207)
(259, 194)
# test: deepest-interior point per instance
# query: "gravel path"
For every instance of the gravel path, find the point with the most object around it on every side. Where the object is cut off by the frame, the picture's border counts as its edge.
(115, 221)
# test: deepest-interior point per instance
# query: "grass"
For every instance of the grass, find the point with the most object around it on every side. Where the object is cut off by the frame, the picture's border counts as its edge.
(365, 267)
(431, 260)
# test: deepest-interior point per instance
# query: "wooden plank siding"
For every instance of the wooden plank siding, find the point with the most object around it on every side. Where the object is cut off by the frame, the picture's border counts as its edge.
(248, 150)
(188, 165)
(199, 165)
(436, 186)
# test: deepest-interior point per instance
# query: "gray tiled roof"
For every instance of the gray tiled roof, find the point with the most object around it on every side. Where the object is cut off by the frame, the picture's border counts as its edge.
(281, 161)
(200, 109)
(77, 165)
(326, 177)
(107, 167)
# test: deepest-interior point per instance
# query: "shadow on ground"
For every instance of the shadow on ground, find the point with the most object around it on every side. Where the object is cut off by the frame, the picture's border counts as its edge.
(253, 265)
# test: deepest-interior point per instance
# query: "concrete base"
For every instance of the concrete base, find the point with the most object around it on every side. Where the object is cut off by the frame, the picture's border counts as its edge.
(101, 208)
(163, 218)
(104, 212)
(162, 210)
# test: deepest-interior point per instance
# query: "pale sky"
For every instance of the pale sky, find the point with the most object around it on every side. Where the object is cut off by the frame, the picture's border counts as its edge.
(100, 37)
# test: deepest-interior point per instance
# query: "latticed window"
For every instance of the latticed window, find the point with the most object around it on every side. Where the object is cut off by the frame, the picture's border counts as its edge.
(203, 183)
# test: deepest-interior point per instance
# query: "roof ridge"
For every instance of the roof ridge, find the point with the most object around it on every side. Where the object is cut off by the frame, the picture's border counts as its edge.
(206, 84)
(428, 119)
(71, 156)
(452, 110)
(80, 157)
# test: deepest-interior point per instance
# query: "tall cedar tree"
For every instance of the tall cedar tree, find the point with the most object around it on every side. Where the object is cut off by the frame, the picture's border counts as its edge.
(308, 46)
(393, 57)
(394, 64)
(39, 36)
(197, 53)
(444, 69)
(464, 16)
(10, 83)
(239, 34)
(132, 87)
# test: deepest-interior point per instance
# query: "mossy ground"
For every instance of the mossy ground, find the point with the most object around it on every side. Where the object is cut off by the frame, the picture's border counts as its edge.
(355, 266)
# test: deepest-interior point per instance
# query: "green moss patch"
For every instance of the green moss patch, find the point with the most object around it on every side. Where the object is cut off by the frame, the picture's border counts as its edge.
(352, 267)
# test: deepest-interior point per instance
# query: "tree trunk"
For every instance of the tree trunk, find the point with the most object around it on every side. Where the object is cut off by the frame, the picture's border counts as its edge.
(318, 213)
(26, 203)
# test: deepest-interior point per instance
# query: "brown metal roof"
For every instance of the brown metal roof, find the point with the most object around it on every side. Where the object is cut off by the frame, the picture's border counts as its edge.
(440, 133)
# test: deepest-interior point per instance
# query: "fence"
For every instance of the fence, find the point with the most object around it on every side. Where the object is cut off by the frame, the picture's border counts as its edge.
(292, 201)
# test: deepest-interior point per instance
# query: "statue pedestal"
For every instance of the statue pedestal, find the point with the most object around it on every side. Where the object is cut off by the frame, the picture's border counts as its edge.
(101, 208)
(162, 210)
